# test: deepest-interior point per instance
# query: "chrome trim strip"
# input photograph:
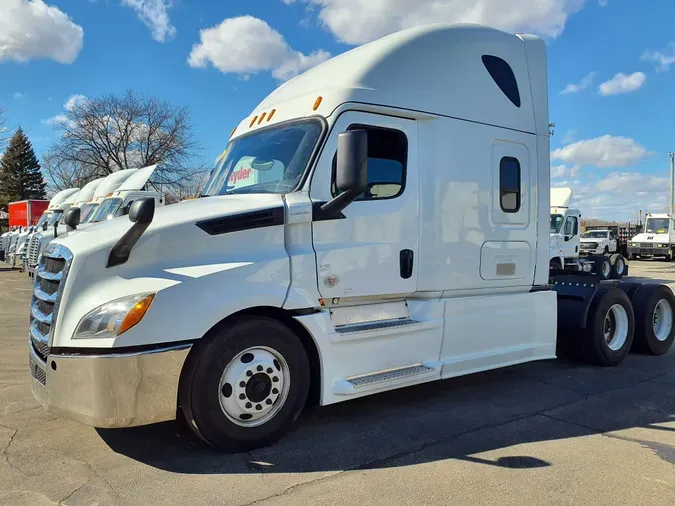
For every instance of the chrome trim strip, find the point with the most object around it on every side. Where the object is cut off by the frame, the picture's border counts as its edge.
(129, 354)
(37, 335)
(49, 276)
(43, 296)
(37, 359)
(57, 252)
(39, 315)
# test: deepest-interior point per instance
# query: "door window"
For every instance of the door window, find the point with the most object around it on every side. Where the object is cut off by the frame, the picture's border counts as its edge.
(571, 226)
(387, 157)
(509, 184)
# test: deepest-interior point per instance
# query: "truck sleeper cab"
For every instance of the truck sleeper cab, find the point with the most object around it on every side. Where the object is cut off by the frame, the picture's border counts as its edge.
(360, 225)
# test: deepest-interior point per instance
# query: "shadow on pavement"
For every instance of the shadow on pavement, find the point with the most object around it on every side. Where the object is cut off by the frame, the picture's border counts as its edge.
(453, 419)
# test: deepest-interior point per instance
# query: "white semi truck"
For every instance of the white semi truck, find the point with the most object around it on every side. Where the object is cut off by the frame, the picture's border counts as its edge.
(405, 197)
(571, 251)
(99, 200)
(657, 240)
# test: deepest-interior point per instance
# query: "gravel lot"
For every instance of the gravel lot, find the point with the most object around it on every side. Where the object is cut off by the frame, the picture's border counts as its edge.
(543, 433)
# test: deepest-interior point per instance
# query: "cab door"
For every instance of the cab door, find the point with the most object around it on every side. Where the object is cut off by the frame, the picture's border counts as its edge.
(571, 237)
(371, 248)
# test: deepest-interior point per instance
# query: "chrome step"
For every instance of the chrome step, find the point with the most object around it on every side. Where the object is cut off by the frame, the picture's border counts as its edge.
(373, 381)
(363, 327)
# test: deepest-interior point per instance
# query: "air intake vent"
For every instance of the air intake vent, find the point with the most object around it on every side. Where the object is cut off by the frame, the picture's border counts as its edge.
(245, 221)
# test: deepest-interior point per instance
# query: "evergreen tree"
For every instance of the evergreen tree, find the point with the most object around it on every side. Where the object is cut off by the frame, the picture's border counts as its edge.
(20, 176)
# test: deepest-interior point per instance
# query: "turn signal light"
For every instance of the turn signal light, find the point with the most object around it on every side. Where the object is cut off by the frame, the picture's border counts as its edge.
(136, 314)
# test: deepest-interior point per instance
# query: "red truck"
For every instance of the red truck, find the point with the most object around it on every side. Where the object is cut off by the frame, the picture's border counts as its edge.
(25, 213)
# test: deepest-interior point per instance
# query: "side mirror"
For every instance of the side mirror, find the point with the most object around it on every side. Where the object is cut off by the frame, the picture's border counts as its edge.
(567, 238)
(141, 214)
(142, 211)
(44, 226)
(72, 218)
(351, 176)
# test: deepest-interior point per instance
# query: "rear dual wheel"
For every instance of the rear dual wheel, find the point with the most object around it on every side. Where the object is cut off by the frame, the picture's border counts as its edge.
(608, 335)
(654, 307)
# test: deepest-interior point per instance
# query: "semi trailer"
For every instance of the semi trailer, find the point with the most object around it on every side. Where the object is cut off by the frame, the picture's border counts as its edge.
(403, 200)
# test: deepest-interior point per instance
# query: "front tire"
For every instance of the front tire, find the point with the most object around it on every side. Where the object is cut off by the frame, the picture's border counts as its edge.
(618, 264)
(246, 386)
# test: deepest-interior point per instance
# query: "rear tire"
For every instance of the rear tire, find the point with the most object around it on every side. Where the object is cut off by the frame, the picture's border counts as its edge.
(630, 289)
(246, 386)
(610, 326)
(618, 264)
(601, 267)
(654, 307)
(555, 264)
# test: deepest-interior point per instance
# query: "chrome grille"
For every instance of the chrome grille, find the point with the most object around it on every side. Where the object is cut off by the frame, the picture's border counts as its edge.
(49, 278)
(33, 249)
(647, 245)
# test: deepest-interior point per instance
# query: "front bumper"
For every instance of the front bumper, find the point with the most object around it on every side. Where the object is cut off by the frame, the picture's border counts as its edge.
(591, 251)
(640, 250)
(110, 390)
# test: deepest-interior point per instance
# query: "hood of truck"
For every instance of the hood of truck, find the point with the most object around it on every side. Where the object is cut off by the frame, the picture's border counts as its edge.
(179, 261)
(593, 239)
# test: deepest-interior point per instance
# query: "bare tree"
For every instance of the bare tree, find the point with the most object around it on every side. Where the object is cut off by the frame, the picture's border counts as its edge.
(114, 132)
(186, 189)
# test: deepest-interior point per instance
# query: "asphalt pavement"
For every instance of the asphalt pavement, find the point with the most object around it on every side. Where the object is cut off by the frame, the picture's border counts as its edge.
(552, 433)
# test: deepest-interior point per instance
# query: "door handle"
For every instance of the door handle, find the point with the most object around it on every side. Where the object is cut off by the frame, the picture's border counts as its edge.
(406, 258)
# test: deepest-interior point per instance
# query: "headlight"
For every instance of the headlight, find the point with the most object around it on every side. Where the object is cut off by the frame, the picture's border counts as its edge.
(114, 318)
(663, 245)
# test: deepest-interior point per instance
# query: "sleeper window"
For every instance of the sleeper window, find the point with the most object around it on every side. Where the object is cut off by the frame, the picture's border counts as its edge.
(387, 157)
(509, 184)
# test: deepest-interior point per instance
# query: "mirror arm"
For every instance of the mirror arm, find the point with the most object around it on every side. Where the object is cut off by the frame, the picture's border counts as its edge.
(340, 202)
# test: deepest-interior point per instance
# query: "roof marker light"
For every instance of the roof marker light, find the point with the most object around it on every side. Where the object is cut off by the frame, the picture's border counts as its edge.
(255, 118)
(271, 114)
(262, 117)
(317, 103)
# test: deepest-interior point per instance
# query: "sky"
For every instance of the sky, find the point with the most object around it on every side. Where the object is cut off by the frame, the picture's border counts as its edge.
(611, 70)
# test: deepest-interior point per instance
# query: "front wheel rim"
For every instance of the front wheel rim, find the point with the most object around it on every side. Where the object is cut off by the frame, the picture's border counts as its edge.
(662, 320)
(254, 386)
(615, 327)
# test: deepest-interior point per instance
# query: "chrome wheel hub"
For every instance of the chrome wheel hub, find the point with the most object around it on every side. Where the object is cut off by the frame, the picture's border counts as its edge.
(616, 327)
(662, 320)
(254, 386)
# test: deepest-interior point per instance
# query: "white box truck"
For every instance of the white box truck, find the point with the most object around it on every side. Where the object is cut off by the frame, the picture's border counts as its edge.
(397, 237)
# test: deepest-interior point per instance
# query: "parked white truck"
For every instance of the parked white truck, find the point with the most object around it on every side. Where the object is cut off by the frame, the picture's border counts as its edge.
(403, 201)
(571, 251)
(657, 240)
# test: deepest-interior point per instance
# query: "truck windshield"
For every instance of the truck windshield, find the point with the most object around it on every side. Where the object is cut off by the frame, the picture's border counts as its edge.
(556, 223)
(269, 161)
(107, 210)
(657, 225)
(43, 219)
(87, 211)
(55, 217)
(595, 234)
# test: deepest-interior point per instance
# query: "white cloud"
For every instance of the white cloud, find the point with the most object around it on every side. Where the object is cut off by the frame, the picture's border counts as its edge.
(18, 95)
(665, 58)
(246, 45)
(32, 29)
(73, 101)
(570, 137)
(70, 104)
(155, 15)
(623, 83)
(582, 85)
(558, 171)
(619, 195)
(603, 3)
(359, 21)
(604, 152)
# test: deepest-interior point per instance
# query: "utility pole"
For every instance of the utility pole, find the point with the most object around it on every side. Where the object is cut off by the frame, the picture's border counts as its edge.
(672, 181)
